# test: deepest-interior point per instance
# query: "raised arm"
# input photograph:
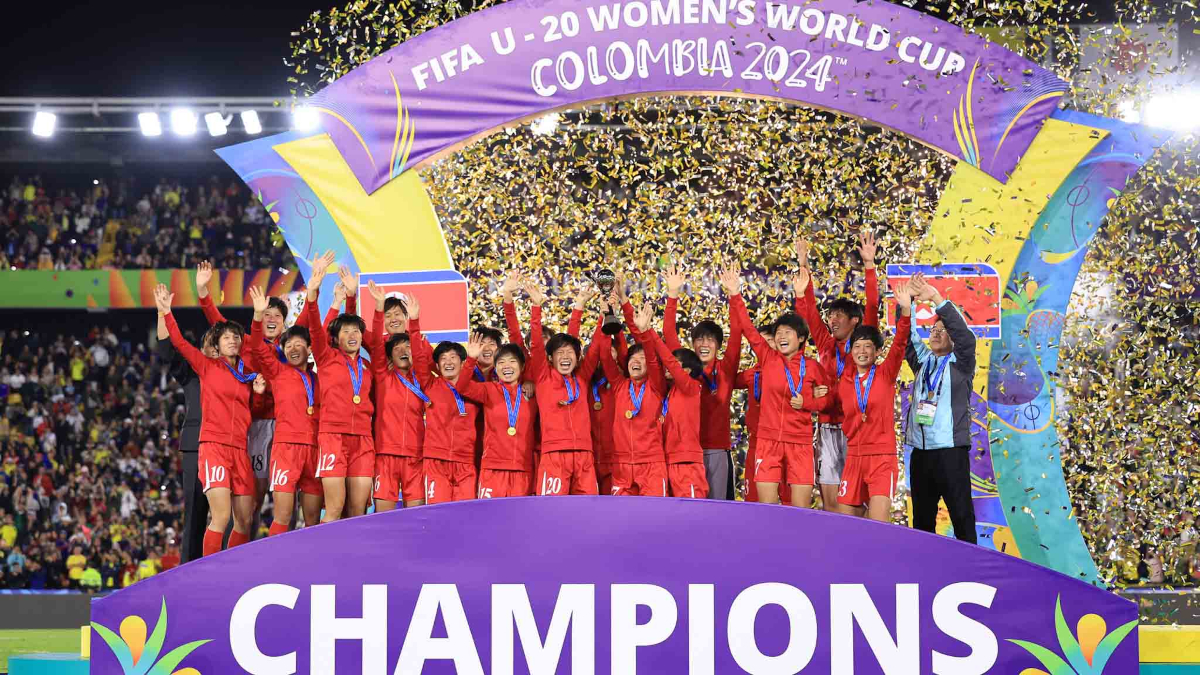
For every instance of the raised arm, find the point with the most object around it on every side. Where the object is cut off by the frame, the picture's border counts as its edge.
(422, 352)
(895, 357)
(583, 294)
(733, 350)
(373, 340)
(204, 275)
(956, 326)
(320, 338)
(674, 280)
(683, 380)
(591, 360)
(732, 284)
(163, 299)
(537, 362)
(806, 307)
(263, 355)
(915, 352)
(469, 387)
(643, 331)
(611, 370)
(866, 249)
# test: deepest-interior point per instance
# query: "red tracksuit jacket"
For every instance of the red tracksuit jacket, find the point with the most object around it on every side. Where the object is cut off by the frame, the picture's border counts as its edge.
(876, 436)
(399, 413)
(564, 427)
(224, 400)
(828, 349)
(778, 421)
(340, 414)
(502, 452)
(751, 380)
(602, 419)
(262, 406)
(294, 425)
(448, 435)
(638, 439)
(718, 381)
(681, 426)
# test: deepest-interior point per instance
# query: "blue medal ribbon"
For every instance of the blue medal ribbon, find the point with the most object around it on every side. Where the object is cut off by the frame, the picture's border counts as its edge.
(479, 376)
(355, 379)
(665, 406)
(596, 388)
(414, 386)
(458, 400)
(636, 397)
(278, 350)
(308, 387)
(572, 389)
(862, 392)
(841, 362)
(514, 410)
(240, 373)
(928, 372)
(794, 386)
(757, 386)
(711, 383)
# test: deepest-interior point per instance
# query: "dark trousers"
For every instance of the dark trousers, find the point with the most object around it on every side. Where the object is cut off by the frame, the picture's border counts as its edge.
(195, 509)
(942, 474)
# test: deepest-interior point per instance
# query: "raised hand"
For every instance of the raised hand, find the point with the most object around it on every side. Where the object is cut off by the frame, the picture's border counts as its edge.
(474, 346)
(586, 291)
(377, 293)
(259, 384)
(674, 279)
(801, 280)
(512, 282)
(536, 295)
(339, 294)
(320, 266)
(414, 307)
(619, 287)
(163, 298)
(925, 291)
(866, 248)
(614, 301)
(800, 245)
(348, 279)
(204, 274)
(731, 280)
(259, 299)
(643, 318)
(904, 297)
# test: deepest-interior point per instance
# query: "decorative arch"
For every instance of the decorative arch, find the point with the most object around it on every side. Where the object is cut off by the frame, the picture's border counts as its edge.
(1021, 163)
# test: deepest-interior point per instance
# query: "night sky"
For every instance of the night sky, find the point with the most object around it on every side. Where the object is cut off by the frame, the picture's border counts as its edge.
(138, 48)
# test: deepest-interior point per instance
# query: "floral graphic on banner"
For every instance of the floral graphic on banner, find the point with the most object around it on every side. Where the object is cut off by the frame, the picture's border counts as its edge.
(1084, 653)
(137, 655)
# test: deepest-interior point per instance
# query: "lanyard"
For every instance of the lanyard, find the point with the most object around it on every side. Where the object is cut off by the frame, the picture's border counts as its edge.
(841, 361)
(308, 388)
(479, 376)
(572, 389)
(355, 379)
(458, 400)
(636, 398)
(513, 410)
(278, 350)
(414, 386)
(862, 392)
(596, 388)
(240, 373)
(757, 386)
(665, 406)
(794, 386)
(712, 383)
(936, 381)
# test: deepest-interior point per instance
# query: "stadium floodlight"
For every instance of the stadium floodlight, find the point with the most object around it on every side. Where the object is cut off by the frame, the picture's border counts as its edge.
(304, 118)
(1128, 112)
(43, 124)
(150, 124)
(183, 121)
(217, 123)
(1176, 111)
(250, 122)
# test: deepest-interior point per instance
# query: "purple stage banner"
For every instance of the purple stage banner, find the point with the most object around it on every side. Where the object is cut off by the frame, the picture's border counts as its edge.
(897, 67)
(590, 585)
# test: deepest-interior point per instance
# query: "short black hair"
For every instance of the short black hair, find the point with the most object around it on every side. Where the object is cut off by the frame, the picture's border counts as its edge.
(275, 303)
(796, 323)
(690, 362)
(636, 348)
(547, 335)
(220, 328)
(489, 333)
(391, 303)
(448, 346)
(867, 333)
(340, 322)
(512, 350)
(295, 332)
(708, 328)
(768, 327)
(846, 306)
(393, 341)
(564, 340)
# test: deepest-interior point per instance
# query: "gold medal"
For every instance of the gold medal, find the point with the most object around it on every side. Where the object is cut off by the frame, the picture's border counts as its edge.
(628, 414)
(564, 403)
(864, 417)
(512, 431)
(597, 406)
(310, 410)
(357, 399)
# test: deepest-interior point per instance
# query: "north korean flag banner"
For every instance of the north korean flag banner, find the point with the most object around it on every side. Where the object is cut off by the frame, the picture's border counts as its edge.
(974, 287)
(442, 294)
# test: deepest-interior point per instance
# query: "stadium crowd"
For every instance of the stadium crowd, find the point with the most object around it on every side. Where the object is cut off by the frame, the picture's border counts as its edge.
(126, 225)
